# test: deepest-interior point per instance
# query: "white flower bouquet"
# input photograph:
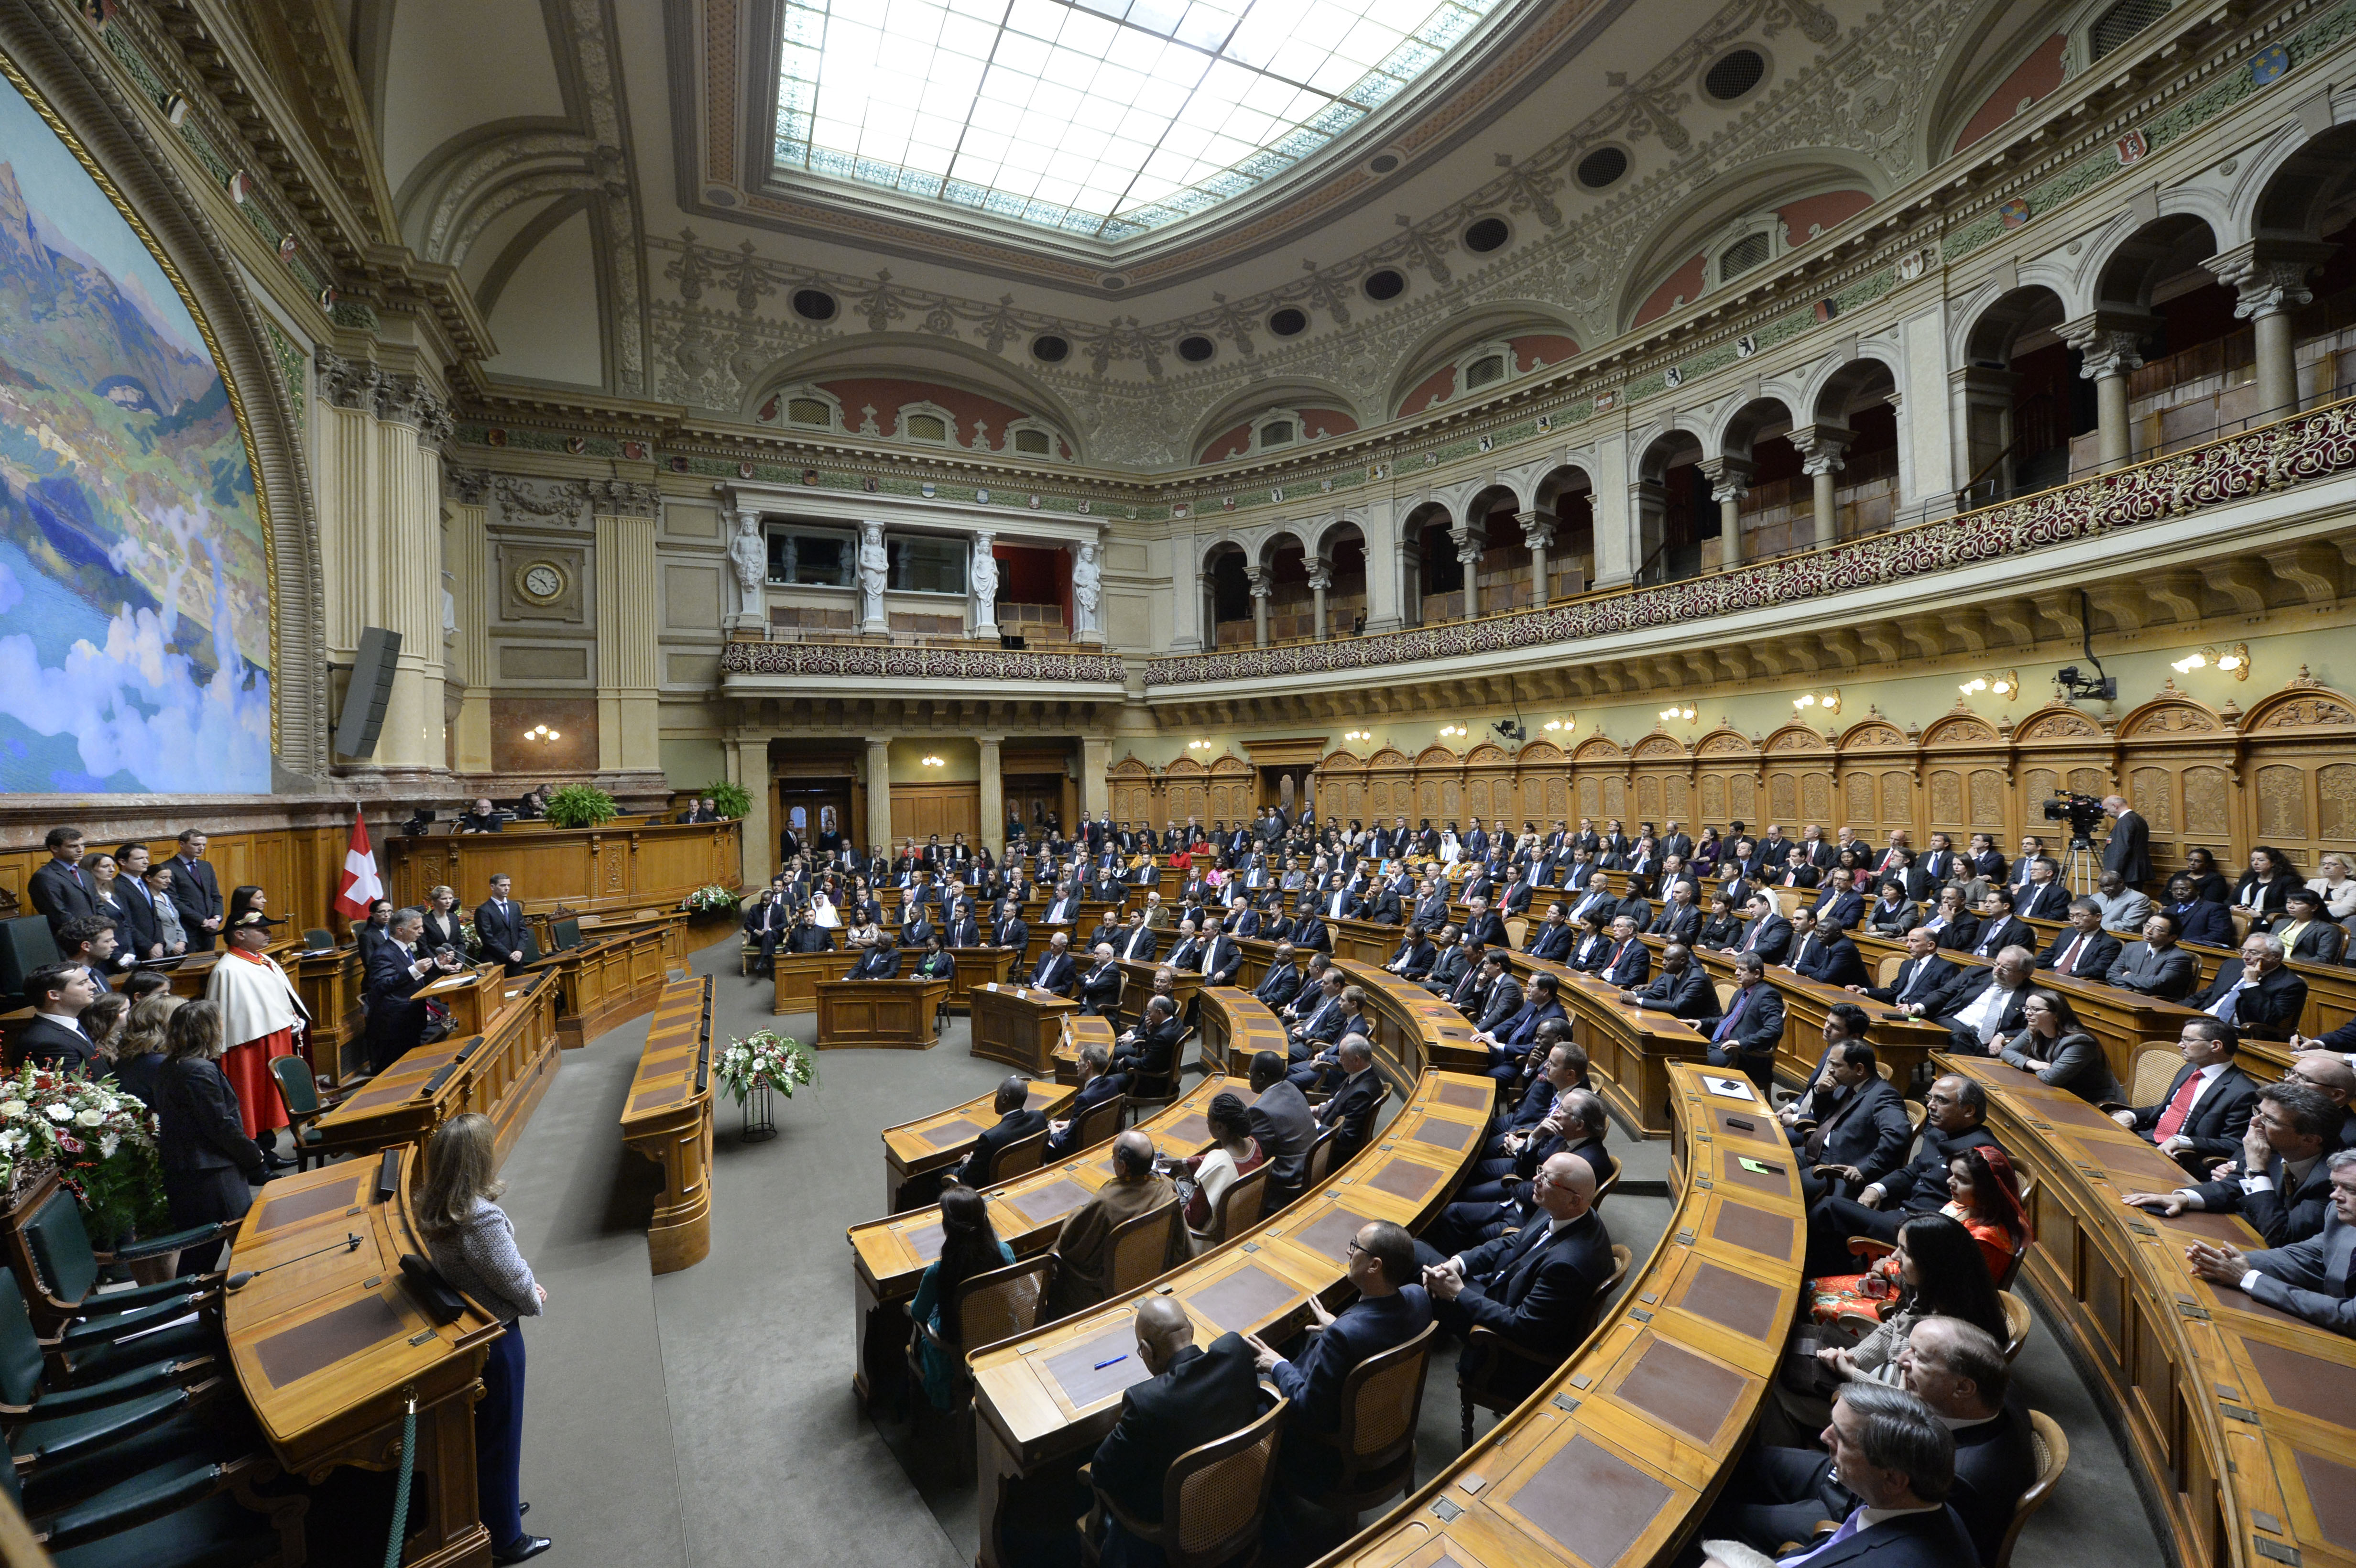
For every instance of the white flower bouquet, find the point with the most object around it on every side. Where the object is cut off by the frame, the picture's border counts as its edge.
(101, 1140)
(765, 1057)
(709, 900)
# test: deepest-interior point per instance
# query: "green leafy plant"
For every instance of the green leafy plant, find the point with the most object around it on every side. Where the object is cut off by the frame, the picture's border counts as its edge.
(731, 800)
(580, 805)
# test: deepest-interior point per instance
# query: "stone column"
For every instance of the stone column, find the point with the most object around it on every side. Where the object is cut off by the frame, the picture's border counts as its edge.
(1321, 578)
(1730, 481)
(1469, 542)
(629, 656)
(2108, 343)
(982, 573)
(2270, 275)
(1410, 582)
(994, 794)
(1648, 510)
(1538, 532)
(466, 552)
(879, 792)
(1096, 795)
(1261, 587)
(1821, 449)
(748, 765)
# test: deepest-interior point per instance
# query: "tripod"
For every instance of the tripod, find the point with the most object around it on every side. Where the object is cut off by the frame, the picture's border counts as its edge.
(2079, 869)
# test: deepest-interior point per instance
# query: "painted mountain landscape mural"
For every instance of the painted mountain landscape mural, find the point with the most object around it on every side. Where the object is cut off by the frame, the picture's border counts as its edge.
(134, 595)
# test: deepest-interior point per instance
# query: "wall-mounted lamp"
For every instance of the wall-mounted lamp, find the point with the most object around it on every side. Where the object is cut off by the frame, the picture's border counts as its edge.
(542, 732)
(2233, 661)
(1563, 726)
(1829, 702)
(2006, 685)
(1458, 730)
(1198, 745)
(1685, 712)
(936, 761)
(1358, 735)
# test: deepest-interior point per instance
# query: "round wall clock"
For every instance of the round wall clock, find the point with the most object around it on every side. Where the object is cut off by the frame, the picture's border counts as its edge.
(541, 582)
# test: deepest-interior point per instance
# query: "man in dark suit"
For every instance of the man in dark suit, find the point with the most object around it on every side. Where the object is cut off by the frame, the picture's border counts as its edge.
(196, 890)
(1391, 1308)
(1415, 955)
(1678, 921)
(1953, 923)
(1955, 1119)
(1351, 1108)
(1999, 927)
(2044, 898)
(2254, 993)
(1098, 1082)
(765, 925)
(1016, 1120)
(1138, 943)
(1919, 978)
(1223, 960)
(1499, 995)
(1282, 981)
(2314, 1279)
(1100, 989)
(1681, 990)
(2280, 1183)
(61, 888)
(881, 962)
(2156, 967)
(1193, 1397)
(1833, 958)
(1980, 1005)
(1055, 972)
(1862, 1137)
(1109, 932)
(1509, 1043)
(1552, 938)
(1009, 930)
(60, 994)
(1746, 1037)
(1484, 924)
(1150, 1051)
(499, 927)
(1765, 932)
(2208, 1105)
(1536, 1286)
(1282, 1124)
(2127, 851)
(396, 1019)
(1631, 963)
(2081, 947)
(1308, 931)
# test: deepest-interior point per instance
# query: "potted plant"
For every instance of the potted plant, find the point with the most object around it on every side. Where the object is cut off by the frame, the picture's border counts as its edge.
(755, 1066)
(580, 805)
(732, 801)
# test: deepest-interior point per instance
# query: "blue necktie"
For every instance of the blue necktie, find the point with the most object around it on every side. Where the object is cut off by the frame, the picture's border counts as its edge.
(1850, 1526)
(1726, 1025)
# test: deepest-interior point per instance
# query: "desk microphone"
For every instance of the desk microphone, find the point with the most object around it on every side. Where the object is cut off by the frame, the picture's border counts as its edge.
(237, 1281)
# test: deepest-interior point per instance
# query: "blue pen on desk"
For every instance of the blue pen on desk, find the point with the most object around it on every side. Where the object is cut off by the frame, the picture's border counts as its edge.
(1114, 1362)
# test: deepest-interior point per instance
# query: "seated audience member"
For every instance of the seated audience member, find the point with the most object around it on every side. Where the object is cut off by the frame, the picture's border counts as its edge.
(1282, 981)
(2309, 1279)
(1098, 1082)
(1899, 1460)
(1193, 1397)
(879, 961)
(1083, 1262)
(1055, 972)
(1746, 1037)
(2307, 934)
(1415, 955)
(2083, 947)
(1979, 1006)
(1282, 1124)
(1100, 990)
(1234, 1153)
(1834, 959)
(1483, 1210)
(484, 817)
(2280, 1183)
(1920, 976)
(1937, 1270)
(1537, 1287)
(2254, 993)
(1720, 930)
(2052, 1044)
(1843, 1023)
(2156, 965)
(766, 923)
(1356, 1098)
(1766, 932)
(1952, 924)
(2123, 908)
(1955, 1118)
(1015, 1122)
(969, 1246)
(1150, 1050)
(1562, 1066)
(1510, 1042)
(1861, 1136)
(1391, 1308)
(1681, 990)
(2208, 1105)
(59, 995)
(2332, 1075)
(1999, 927)
(1630, 964)
(1984, 1197)
(2206, 923)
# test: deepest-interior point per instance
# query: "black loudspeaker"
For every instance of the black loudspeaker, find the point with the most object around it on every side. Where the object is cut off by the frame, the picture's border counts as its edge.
(25, 946)
(371, 688)
(1010, 640)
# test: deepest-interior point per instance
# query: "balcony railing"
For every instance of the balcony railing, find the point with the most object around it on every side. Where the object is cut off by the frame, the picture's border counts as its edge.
(2304, 447)
(894, 661)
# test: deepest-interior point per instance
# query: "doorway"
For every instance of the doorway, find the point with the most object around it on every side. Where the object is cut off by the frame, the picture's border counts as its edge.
(817, 815)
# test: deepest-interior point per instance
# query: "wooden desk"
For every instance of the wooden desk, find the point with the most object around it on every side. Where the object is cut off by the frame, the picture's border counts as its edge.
(472, 997)
(1414, 1030)
(2241, 1419)
(1040, 1406)
(1612, 1464)
(1079, 1031)
(937, 1142)
(606, 981)
(616, 867)
(891, 1015)
(1904, 1043)
(670, 923)
(329, 981)
(1140, 987)
(1630, 1050)
(799, 975)
(330, 1349)
(501, 1074)
(1019, 1027)
(1234, 1026)
(976, 967)
(889, 1256)
(668, 1118)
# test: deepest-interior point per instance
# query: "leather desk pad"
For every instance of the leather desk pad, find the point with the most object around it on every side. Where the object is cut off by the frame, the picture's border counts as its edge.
(666, 1095)
(1243, 1298)
(955, 1132)
(1591, 1501)
(925, 1239)
(2302, 1382)
(1075, 1372)
(1050, 1202)
(2332, 1491)
(1754, 1230)
(1404, 1178)
(1778, 1180)
(294, 1353)
(1331, 1233)
(1731, 1300)
(378, 1096)
(2145, 1166)
(1760, 1123)
(2069, 1111)
(1190, 1129)
(1672, 1385)
(332, 1198)
(2226, 1227)
(1449, 1136)
(1466, 1096)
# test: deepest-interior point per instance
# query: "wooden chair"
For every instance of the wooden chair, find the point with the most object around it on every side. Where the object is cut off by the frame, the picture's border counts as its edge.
(1002, 1304)
(1382, 1404)
(2151, 1072)
(1887, 975)
(1142, 1248)
(2017, 1318)
(1605, 1187)
(1238, 1210)
(1518, 929)
(1725, 990)
(1321, 1159)
(1021, 1154)
(1099, 1122)
(1213, 1498)
(298, 1090)
(2050, 1445)
(1489, 1387)
(1915, 1110)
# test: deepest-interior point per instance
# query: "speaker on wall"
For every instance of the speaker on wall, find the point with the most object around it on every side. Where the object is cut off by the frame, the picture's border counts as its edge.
(25, 946)
(364, 700)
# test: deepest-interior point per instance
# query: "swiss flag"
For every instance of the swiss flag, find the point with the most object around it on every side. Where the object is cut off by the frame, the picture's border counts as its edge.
(361, 887)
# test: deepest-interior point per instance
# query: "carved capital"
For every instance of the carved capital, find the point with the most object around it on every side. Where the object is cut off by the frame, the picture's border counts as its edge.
(346, 383)
(2110, 342)
(467, 486)
(1729, 477)
(1537, 529)
(1262, 582)
(1320, 574)
(1822, 447)
(2270, 275)
(623, 498)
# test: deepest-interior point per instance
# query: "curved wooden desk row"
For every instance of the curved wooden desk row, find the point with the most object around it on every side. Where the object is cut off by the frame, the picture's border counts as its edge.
(501, 1072)
(616, 866)
(1904, 1043)
(1046, 1399)
(2330, 988)
(1233, 1028)
(1616, 1460)
(610, 979)
(1079, 1031)
(328, 1349)
(668, 1118)
(2241, 1419)
(890, 1256)
(937, 1142)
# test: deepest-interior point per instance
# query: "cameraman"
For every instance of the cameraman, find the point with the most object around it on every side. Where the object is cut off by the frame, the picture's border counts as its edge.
(2127, 851)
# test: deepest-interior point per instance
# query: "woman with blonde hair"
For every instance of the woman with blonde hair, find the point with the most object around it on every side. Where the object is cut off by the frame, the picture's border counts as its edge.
(211, 1166)
(139, 1054)
(472, 1244)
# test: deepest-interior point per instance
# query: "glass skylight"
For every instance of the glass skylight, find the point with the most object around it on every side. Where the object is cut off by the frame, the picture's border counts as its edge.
(1105, 118)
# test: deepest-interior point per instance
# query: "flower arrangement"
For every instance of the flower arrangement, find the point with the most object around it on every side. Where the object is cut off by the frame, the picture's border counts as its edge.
(580, 805)
(101, 1140)
(709, 900)
(473, 942)
(765, 1057)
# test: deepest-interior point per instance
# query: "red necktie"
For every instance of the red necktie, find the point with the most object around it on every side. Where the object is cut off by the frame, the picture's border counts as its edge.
(2070, 957)
(2171, 1120)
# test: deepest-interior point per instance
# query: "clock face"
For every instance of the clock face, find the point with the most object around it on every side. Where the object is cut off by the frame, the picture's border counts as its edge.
(541, 582)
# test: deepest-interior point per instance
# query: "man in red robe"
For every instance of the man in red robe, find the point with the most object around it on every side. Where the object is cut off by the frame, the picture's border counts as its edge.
(260, 1014)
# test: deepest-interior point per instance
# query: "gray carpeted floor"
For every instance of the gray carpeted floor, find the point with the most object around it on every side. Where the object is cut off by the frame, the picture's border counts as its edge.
(705, 1419)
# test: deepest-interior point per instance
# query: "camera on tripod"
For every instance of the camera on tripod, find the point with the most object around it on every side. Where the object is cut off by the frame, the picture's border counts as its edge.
(2081, 812)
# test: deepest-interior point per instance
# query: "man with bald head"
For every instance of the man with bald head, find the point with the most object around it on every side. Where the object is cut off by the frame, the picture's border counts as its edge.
(1016, 1120)
(1192, 1396)
(1538, 1285)
(1084, 1265)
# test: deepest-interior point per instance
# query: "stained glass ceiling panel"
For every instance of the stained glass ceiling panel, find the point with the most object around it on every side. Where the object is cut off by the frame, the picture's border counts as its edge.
(1102, 118)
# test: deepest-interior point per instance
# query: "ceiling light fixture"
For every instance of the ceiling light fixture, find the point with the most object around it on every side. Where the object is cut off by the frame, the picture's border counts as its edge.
(2006, 685)
(1685, 712)
(936, 761)
(1453, 729)
(2233, 661)
(1358, 735)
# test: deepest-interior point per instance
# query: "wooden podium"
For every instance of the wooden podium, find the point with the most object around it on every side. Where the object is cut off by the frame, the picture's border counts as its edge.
(890, 1015)
(799, 975)
(976, 967)
(1019, 1027)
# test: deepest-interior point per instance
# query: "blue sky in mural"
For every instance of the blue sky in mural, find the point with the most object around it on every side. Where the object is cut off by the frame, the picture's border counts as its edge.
(134, 582)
